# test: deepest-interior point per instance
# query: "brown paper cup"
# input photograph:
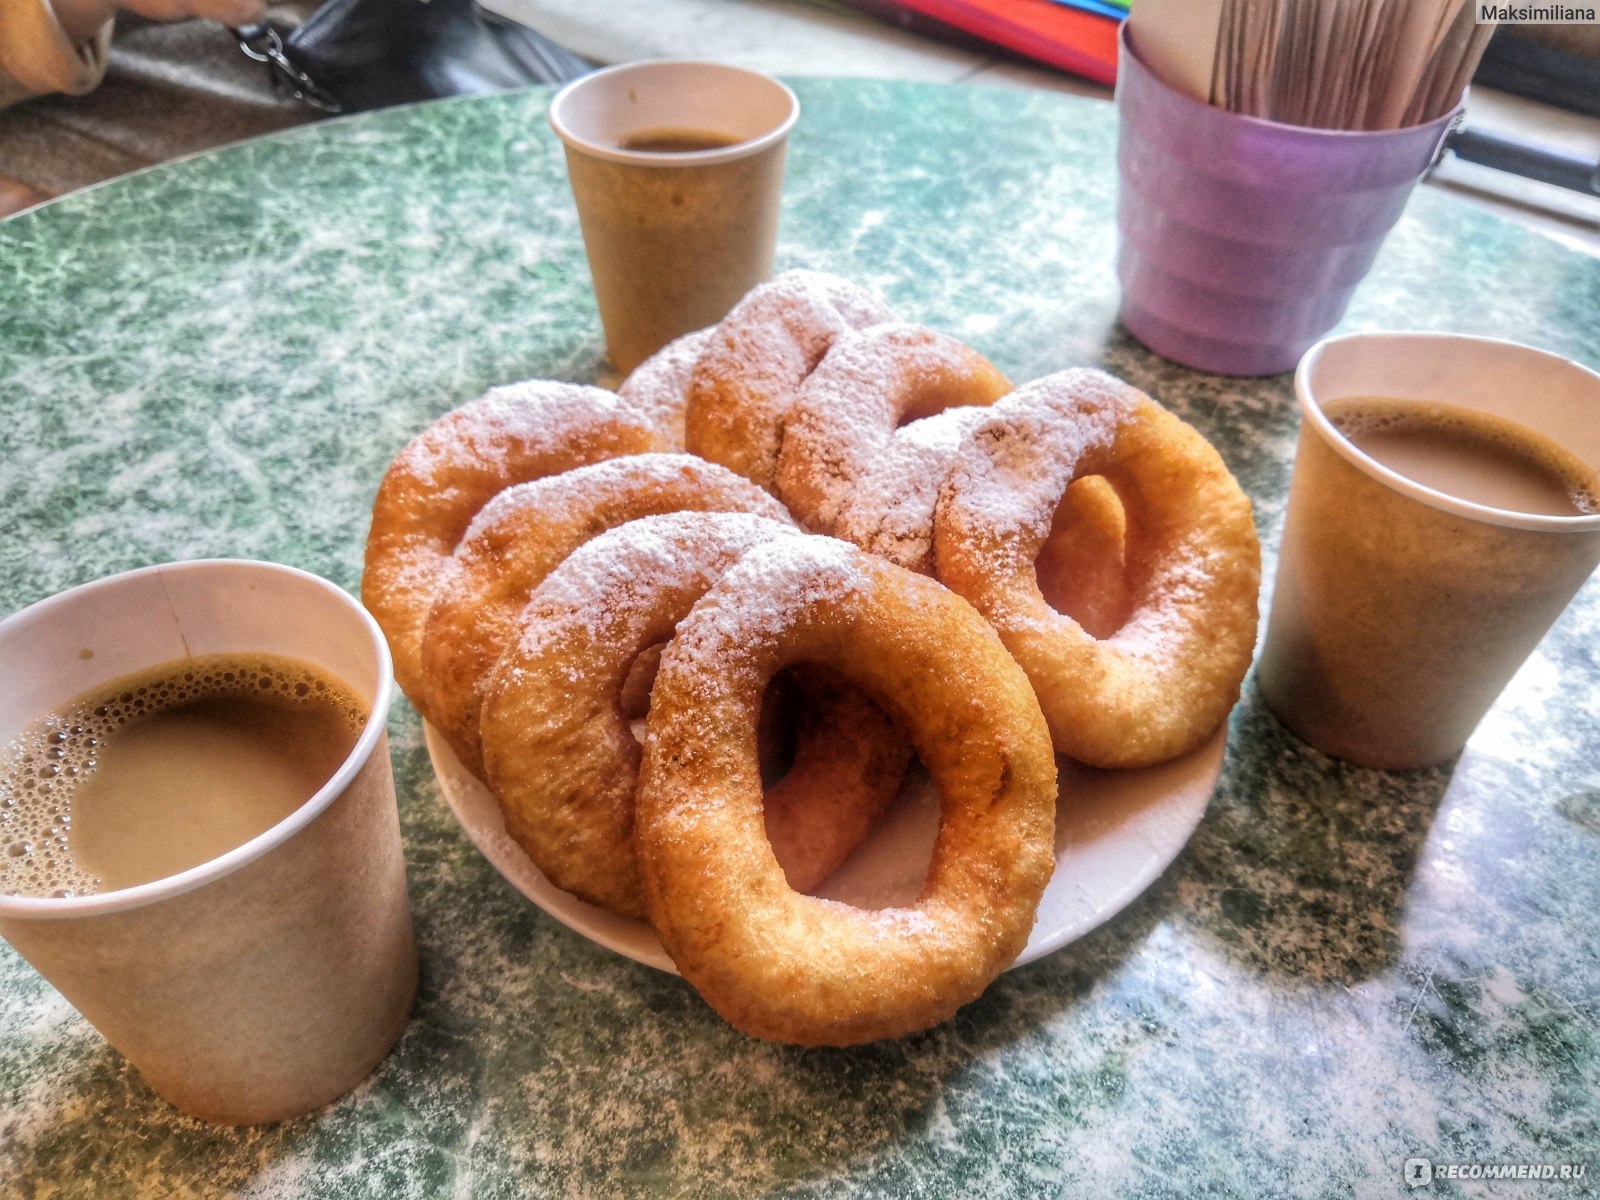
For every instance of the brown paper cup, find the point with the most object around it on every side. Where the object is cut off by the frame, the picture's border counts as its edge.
(271, 980)
(1400, 612)
(674, 239)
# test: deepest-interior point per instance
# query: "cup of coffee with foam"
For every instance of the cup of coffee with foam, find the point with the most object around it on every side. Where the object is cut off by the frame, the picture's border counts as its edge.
(677, 169)
(1444, 508)
(199, 845)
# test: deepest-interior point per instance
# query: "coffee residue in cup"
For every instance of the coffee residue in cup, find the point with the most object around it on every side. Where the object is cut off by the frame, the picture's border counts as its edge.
(677, 141)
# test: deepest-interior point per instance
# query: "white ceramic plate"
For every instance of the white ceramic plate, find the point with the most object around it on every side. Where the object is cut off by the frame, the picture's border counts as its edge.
(1116, 831)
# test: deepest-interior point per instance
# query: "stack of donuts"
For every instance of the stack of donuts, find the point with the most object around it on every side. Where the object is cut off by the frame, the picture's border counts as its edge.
(797, 549)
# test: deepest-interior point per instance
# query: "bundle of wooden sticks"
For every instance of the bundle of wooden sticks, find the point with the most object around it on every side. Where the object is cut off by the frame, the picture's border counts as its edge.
(1331, 64)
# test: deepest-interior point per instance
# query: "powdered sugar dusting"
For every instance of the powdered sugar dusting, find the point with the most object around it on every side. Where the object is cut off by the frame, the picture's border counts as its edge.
(517, 414)
(846, 413)
(625, 569)
(761, 596)
(745, 380)
(890, 509)
(659, 386)
(1020, 456)
(1147, 689)
(565, 497)
(438, 483)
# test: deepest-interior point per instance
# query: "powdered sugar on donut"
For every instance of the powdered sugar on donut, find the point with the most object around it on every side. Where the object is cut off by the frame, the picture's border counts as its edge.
(526, 413)
(437, 484)
(621, 570)
(1006, 486)
(659, 387)
(744, 382)
(890, 509)
(761, 596)
(1159, 684)
(846, 414)
(562, 497)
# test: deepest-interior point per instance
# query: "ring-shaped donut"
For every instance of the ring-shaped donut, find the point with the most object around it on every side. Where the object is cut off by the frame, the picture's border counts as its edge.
(522, 535)
(794, 968)
(558, 749)
(1162, 682)
(437, 484)
(745, 379)
(846, 413)
(659, 386)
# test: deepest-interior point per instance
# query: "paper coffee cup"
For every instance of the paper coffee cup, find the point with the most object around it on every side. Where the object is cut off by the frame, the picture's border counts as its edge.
(272, 979)
(674, 238)
(1401, 611)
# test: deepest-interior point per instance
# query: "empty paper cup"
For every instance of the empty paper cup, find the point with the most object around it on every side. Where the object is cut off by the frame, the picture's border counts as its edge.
(1242, 240)
(677, 170)
(271, 979)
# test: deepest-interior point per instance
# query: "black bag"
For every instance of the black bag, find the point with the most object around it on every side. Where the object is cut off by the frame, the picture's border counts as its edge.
(353, 55)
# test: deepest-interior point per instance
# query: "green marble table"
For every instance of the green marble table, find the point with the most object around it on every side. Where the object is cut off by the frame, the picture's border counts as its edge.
(1345, 969)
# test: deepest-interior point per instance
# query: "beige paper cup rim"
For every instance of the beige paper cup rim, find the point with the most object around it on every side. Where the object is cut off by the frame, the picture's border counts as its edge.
(563, 106)
(125, 899)
(1311, 410)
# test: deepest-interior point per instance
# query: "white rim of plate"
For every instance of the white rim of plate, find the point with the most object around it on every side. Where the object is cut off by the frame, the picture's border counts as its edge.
(1144, 818)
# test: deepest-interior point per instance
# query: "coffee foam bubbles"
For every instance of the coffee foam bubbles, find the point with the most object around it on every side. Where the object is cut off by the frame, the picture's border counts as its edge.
(42, 767)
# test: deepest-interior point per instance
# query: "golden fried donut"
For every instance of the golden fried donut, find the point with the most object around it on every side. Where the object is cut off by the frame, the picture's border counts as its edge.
(659, 386)
(1159, 684)
(520, 537)
(745, 379)
(437, 484)
(794, 968)
(557, 747)
(845, 415)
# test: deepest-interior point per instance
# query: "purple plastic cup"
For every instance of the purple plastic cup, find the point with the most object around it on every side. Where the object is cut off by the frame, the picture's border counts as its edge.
(1242, 240)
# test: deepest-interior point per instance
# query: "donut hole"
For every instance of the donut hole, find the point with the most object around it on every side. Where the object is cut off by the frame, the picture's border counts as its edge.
(636, 687)
(778, 730)
(934, 396)
(890, 868)
(832, 762)
(1082, 566)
